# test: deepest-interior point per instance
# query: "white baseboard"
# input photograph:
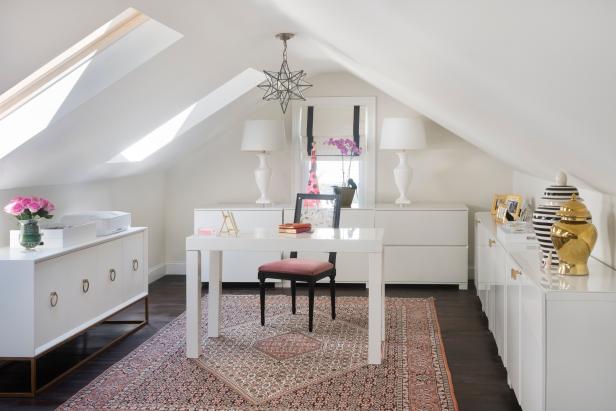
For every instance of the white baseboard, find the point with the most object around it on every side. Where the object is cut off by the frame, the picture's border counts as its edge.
(178, 268)
(157, 272)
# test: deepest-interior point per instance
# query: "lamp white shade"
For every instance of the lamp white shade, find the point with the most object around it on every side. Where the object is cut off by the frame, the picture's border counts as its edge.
(402, 133)
(263, 135)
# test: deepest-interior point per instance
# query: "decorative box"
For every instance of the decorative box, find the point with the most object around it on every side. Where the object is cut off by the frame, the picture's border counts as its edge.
(107, 222)
(60, 236)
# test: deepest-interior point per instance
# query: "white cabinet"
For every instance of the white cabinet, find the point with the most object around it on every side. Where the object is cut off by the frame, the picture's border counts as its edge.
(240, 266)
(559, 331)
(498, 295)
(425, 243)
(50, 295)
(532, 345)
(512, 361)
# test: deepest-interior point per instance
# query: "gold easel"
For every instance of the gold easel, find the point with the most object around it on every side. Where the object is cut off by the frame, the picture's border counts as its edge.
(229, 226)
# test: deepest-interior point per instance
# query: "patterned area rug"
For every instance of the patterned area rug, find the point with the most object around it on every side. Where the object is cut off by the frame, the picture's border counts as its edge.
(282, 366)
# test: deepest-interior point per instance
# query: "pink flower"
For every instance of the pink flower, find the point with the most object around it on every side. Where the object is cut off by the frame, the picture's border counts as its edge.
(50, 206)
(34, 206)
(15, 208)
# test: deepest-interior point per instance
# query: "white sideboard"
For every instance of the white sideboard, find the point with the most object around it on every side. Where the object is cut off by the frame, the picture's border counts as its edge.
(555, 334)
(50, 295)
(424, 243)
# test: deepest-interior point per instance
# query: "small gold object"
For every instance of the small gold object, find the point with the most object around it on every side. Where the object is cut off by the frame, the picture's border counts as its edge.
(515, 273)
(229, 226)
(491, 242)
(574, 237)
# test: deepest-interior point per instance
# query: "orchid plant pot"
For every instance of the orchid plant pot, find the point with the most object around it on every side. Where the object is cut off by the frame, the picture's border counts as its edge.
(29, 234)
(348, 149)
(346, 195)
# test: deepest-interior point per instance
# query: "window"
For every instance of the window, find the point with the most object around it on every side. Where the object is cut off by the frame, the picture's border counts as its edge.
(190, 116)
(316, 120)
(79, 73)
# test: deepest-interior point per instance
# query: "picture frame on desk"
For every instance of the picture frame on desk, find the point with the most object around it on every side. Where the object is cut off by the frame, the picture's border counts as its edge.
(514, 204)
(497, 200)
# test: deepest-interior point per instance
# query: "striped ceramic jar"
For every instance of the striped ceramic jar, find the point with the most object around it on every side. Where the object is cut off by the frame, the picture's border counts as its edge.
(545, 215)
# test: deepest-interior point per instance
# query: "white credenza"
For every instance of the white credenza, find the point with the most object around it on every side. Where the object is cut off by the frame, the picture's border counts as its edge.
(50, 295)
(424, 243)
(555, 334)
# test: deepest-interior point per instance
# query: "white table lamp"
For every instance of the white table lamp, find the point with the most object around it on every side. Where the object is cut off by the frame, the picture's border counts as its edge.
(403, 134)
(262, 137)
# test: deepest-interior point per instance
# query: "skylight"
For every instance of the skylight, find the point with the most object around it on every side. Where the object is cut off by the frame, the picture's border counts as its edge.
(190, 116)
(79, 73)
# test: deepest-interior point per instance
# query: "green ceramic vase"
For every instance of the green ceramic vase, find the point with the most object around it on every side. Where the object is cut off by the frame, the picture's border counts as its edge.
(29, 234)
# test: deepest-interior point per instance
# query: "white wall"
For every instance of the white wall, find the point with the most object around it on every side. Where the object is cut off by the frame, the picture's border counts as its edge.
(450, 169)
(602, 208)
(142, 195)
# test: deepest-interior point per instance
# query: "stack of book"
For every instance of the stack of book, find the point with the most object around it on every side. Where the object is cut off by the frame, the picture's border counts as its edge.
(294, 228)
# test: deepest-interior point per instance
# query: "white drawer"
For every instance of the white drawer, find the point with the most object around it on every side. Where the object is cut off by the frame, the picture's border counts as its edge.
(110, 275)
(133, 279)
(428, 264)
(62, 276)
(426, 228)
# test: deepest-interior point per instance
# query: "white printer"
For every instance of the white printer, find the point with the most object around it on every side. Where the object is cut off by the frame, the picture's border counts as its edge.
(107, 222)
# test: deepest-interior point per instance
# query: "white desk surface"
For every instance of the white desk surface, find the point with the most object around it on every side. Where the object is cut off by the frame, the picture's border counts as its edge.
(42, 253)
(361, 240)
(415, 206)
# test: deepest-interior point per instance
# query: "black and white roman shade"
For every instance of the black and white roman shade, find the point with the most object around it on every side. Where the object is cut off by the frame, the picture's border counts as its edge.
(320, 123)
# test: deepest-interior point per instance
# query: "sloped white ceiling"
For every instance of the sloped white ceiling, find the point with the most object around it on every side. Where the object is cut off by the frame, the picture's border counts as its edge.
(531, 83)
(220, 41)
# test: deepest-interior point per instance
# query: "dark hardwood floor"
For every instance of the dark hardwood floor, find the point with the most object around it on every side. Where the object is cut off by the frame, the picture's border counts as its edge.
(479, 378)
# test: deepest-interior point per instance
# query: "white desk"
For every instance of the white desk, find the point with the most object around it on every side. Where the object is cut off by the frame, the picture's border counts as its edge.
(348, 240)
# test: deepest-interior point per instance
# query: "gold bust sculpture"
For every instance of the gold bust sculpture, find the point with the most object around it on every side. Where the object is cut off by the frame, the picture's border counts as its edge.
(574, 237)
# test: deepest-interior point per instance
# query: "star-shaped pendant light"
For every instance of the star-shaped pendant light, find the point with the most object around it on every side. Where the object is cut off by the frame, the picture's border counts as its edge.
(284, 85)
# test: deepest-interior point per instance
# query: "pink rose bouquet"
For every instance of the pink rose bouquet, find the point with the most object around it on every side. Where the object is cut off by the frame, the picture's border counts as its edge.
(30, 208)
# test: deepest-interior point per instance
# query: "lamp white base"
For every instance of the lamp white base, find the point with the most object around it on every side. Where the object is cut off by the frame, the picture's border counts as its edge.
(263, 174)
(403, 175)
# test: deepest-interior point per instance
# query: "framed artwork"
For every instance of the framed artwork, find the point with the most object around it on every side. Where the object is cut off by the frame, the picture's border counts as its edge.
(497, 200)
(514, 204)
(501, 214)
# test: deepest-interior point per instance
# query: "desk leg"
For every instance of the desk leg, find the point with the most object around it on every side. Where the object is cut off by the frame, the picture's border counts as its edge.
(375, 307)
(214, 293)
(193, 304)
(383, 322)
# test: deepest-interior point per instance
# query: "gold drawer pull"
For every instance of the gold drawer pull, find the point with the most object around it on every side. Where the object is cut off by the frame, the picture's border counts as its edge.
(491, 242)
(135, 265)
(515, 273)
(53, 299)
(112, 274)
(85, 285)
